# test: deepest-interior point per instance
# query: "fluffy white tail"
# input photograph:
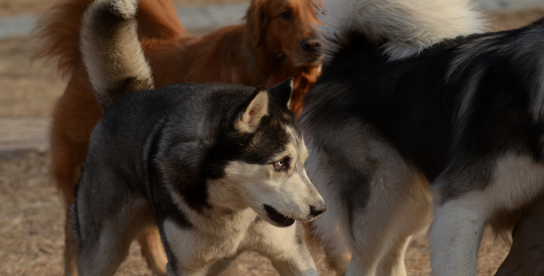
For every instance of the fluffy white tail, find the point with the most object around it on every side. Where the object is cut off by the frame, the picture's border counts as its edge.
(404, 27)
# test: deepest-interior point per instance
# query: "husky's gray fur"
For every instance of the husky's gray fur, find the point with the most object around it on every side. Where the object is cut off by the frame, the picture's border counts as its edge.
(218, 168)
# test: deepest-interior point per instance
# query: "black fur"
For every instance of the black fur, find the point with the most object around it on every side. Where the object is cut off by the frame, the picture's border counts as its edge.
(415, 103)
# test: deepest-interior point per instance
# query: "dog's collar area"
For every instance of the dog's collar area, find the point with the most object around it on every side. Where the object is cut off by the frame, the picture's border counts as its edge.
(278, 218)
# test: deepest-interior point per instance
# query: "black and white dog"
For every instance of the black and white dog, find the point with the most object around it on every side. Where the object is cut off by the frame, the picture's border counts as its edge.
(218, 168)
(411, 103)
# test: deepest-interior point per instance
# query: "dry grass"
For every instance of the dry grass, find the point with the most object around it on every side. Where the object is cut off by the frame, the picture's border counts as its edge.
(31, 217)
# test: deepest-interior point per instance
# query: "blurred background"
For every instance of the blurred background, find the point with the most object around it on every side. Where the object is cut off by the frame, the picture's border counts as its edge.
(31, 216)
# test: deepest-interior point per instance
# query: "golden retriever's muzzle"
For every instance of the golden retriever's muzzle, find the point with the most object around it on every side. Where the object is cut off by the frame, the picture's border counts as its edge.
(311, 47)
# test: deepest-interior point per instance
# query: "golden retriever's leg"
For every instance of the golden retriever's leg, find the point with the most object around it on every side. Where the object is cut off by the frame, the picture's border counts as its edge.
(73, 119)
(152, 250)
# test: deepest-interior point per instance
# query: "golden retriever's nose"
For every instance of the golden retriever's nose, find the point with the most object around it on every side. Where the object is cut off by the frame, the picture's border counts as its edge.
(310, 45)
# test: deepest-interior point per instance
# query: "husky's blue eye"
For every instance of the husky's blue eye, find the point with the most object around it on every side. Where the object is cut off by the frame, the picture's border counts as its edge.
(281, 165)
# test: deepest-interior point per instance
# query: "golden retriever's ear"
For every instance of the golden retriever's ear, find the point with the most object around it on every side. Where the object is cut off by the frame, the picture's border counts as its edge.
(256, 21)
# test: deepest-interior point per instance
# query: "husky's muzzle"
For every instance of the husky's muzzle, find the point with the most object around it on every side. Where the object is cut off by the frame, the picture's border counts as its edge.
(278, 218)
(284, 221)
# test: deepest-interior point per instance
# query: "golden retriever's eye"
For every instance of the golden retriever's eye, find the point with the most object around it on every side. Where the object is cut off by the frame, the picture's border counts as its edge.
(281, 165)
(286, 15)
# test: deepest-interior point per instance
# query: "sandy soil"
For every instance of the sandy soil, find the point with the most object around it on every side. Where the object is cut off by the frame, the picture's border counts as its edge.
(31, 217)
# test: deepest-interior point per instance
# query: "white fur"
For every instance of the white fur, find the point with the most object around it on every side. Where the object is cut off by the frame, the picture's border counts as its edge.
(197, 251)
(286, 256)
(458, 223)
(125, 8)
(455, 235)
(208, 253)
(406, 26)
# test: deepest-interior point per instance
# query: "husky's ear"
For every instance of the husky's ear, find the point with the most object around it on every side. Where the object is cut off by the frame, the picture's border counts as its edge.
(252, 111)
(282, 92)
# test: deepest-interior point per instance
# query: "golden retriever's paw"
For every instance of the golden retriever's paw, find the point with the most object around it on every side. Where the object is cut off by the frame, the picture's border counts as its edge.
(125, 9)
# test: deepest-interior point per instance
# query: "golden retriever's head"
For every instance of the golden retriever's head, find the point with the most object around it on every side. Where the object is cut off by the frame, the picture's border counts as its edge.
(285, 30)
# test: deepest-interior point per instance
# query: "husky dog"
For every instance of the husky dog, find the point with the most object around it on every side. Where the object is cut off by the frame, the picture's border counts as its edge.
(218, 168)
(408, 104)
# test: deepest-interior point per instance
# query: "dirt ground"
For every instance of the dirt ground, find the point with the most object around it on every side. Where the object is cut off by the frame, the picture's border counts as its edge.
(31, 216)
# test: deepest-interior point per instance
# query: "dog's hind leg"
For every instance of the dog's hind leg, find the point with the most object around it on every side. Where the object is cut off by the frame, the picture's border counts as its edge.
(410, 214)
(153, 251)
(107, 215)
(105, 237)
(375, 201)
(397, 208)
(393, 261)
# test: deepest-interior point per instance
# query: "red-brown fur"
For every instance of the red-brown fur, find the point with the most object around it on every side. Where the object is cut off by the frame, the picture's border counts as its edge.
(264, 50)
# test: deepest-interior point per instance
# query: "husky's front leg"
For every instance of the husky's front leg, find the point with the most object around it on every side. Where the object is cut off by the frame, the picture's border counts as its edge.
(297, 262)
(455, 236)
(285, 248)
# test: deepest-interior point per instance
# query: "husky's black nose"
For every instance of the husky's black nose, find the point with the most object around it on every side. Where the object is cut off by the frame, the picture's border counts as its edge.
(315, 211)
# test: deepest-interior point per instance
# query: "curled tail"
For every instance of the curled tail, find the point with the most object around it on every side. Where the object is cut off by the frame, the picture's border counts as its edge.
(403, 27)
(58, 32)
(111, 51)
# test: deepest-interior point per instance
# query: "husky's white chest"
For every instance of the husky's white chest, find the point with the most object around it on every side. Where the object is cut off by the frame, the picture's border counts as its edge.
(203, 245)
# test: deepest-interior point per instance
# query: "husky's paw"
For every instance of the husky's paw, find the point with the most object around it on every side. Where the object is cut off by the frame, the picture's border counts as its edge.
(125, 9)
